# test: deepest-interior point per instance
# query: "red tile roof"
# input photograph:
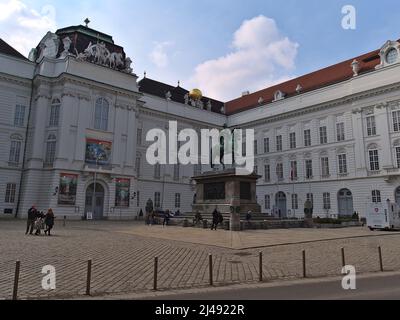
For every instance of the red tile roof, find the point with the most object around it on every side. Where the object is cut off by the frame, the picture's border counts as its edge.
(315, 80)
(5, 48)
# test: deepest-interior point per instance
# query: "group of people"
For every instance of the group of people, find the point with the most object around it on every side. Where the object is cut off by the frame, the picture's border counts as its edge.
(38, 221)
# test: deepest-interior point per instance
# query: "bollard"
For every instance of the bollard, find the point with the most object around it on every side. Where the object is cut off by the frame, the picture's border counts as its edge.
(380, 258)
(65, 221)
(89, 277)
(211, 269)
(16, 279)
(155, 273)
(304, 264)
(343, 258)
(261, 266)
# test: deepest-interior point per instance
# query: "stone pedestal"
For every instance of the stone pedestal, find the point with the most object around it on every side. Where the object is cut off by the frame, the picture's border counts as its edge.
(229, 193)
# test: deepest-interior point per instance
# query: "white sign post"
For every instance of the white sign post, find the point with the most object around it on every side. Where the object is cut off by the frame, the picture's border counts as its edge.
(89, 216)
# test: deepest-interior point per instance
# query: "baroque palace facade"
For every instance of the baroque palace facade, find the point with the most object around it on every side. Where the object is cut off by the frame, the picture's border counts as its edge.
(74, 117)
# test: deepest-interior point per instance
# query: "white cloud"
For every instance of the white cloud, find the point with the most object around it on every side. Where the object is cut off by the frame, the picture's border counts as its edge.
(260, 57)
(23, 27)
(159, 55)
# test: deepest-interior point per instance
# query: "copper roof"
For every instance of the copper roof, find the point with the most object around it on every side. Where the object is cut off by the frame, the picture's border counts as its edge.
(312, 81)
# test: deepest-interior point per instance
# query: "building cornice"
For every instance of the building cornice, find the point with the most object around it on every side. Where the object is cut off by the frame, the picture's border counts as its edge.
(351, 99)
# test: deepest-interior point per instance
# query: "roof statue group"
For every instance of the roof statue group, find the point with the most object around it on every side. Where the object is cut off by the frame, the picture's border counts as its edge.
(96, 53)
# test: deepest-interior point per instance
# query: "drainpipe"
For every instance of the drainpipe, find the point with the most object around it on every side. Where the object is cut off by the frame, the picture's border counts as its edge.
(24, 156)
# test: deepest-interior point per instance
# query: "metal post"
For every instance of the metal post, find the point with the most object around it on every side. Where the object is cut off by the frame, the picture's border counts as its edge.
(304, 264)
(343, 258)
(16, 279)
(155, 273)
(261, 266)
(89, 277)
(380, 258)
(64, 221)
(210, 265)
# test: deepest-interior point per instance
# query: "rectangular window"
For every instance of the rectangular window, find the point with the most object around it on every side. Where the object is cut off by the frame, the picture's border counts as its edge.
(157, 200)
(139, 137)
(54, 115)
(327, 201)
(396, 121)
(309, 169)
(197, 170)
(310, 197)
(293, 170)
(244, 148)
(266, 145)
(398, 156)
(295, 201)
(307, 138)
(50, 152)
(15, 151)
(340, 133)
(256, 169)
(279, 171)
(279, 143)
(267, 202)
(267, 173)
(374, 160)
(177, 200)
(323, 135)
(157, 171)
(10, 193)
(255, 147)
(137, 165)
(325, 167)
(371, 126)
(342, 158)
(19, 117)
(176, 172)
(292, 138)
(376, 196)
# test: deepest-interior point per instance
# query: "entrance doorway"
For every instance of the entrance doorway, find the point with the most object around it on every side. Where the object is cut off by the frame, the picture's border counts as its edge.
(95, 201)
(345, 203)
(281, 205)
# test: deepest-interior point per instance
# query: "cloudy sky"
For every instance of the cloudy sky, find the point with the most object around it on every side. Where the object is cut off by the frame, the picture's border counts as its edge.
(223, 47)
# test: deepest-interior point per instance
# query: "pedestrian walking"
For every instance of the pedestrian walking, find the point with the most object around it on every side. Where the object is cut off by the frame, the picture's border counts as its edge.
(167, 217)
(49, 222)
(215, 219)
(30, 224)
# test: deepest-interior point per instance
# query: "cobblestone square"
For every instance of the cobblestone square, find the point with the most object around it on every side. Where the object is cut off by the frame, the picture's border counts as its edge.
(123, 255)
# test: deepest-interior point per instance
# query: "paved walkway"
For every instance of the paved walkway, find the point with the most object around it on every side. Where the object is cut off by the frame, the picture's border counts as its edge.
(123, 256)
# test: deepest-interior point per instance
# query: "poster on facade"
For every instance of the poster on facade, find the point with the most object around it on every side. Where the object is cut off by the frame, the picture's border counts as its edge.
(67, 189)
(98, 152)
(122, 192)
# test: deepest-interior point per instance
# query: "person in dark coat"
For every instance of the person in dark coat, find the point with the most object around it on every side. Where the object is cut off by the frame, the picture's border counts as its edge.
(215, 220)
(167, 217)
(49, 221)
(30, 224)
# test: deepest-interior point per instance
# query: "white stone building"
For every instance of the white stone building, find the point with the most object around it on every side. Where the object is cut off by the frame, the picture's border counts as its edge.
(74, 116)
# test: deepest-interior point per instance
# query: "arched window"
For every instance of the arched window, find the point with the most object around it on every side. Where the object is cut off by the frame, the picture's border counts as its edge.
(101, 114)
(15, 149)
(51, 149)
(55, 113)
